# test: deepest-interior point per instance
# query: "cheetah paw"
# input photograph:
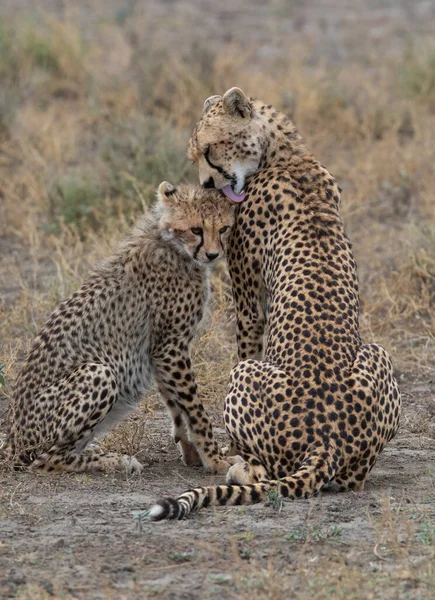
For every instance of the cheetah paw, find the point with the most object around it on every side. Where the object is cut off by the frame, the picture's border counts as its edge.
(239, 474)
(233, 460)
(218, 467)
(189, 454)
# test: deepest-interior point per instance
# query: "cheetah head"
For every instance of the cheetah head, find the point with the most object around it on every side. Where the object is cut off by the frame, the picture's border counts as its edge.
(195, 220)
(227, 143)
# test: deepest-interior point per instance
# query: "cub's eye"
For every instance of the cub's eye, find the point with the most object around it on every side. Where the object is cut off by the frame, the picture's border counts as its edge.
(196, 230)
(207, 150)
(223, 229)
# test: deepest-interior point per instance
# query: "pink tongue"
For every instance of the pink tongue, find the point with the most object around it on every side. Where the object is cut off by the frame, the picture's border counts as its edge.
(229, 193)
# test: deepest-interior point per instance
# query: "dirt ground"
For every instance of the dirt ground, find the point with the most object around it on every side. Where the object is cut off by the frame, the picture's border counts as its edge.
(74, 536)
(97, 100)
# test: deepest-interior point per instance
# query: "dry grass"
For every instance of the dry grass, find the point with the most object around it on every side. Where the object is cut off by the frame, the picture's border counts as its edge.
(395, 562)
(93, 119)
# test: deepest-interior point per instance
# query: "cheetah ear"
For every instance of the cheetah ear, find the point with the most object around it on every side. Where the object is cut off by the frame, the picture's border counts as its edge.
(236, 103)
(209, 103)
(165, 191)
(164, 207)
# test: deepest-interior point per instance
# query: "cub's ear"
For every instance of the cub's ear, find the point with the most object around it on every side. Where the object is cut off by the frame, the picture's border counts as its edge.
(165, 191)
(236, 103)
(209, 103)
(164, 207)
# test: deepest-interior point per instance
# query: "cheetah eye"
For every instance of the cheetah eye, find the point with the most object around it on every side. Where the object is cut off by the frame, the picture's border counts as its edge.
(207, 151)
(223, 229)
(196, 230)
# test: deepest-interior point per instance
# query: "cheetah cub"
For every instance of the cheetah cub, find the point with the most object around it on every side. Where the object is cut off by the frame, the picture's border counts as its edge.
(129, 325)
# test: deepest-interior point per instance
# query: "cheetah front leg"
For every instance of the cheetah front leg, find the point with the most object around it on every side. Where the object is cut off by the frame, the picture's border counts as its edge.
(176, 383)
(251, 324)
(188, 451)
(250, 299)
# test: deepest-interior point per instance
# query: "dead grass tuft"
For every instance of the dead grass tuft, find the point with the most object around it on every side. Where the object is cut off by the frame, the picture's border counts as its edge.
(95, 117)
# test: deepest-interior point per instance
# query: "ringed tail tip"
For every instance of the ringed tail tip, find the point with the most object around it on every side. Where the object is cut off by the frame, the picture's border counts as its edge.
(167, 508)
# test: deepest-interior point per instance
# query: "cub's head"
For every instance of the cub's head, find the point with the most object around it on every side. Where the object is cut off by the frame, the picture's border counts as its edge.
(227, 143)
(195, 220)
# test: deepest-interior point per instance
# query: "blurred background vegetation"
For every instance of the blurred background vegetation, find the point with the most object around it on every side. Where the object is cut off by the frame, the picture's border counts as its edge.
(97, 101)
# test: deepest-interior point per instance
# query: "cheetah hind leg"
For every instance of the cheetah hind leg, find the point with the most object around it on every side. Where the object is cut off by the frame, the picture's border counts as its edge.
(86, 399)
(345, 480)
(374, 379)
(344, 483)
(91, 459)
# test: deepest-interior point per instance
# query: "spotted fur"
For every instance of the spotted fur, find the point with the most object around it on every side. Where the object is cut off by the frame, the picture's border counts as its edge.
(131, 323)
(316, 406)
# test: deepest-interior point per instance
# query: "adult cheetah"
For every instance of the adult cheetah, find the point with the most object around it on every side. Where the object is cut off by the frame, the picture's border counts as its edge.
(131, 323)
(319, 406)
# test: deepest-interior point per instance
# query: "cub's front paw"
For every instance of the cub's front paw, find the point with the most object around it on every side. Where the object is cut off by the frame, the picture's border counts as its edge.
(189, 454)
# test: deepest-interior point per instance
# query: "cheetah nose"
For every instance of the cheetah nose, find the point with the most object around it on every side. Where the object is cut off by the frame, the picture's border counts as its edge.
(209, 183)
(211, 256)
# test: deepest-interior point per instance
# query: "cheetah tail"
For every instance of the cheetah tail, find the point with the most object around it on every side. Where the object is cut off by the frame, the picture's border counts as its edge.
(313, 474)
(195, 499)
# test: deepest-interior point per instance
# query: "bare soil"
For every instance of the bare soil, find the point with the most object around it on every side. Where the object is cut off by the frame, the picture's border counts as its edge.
(74, 536)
